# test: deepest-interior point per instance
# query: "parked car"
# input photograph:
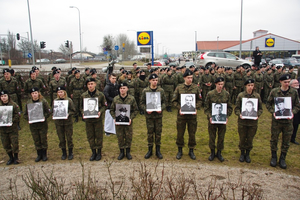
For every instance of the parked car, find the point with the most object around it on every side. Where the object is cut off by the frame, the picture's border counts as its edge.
(61, 60)
(221, 59)
(290, 62)
(43, 60)
(188, 64)
(176, 63)
(158, 63)
(277, 62)
(166, 61)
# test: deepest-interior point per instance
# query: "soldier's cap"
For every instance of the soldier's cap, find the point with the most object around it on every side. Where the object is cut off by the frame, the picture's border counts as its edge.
(168, 69)
(35, 89)
(124, 72)
(172, 65)
(258, 68)
(192, 66)
(278, 66)
(138, 68)
(134, 63)
(123, 85)
(177, 68)
(137, 72)
(291, 67)
(12, 71)
(123, 109)
(90, 80)
(55, 72)
(60, 88)
(249, 81)
(141, 71)
(254, 65)
(218, 67)
(219, 79)
(153, 76)
(128, 72)
(237, 67)
(279, 100)
(210, 69)
(93, 72)
(187, 73)
(74, 68)
(213, 63)
(264, 65)
(6, 70)
(77, 71)
(122, 68)
(59, 69)
(86, 69)
(31, 72)
(248, 70)
(3, 92)
(151, 71)
(196, 69)
(269, 69)
(35, 68)
(284, 77)
(53, 68)
(149, 64)
(273, 65)
(204, 68)
(183, 66)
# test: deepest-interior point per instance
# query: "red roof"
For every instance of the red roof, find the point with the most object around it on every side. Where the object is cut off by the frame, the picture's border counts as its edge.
(215, 45)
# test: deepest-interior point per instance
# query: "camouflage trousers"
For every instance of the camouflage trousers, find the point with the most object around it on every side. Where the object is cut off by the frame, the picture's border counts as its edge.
(191, 123)
(76, 102)
(286, 129)
(246, 134)
(124, 135)
(213, 131)
(267, 91)
(65, 135)
(169, 96)
(154, 130)
(204, 93)
(236, 92)
(94, 133)
(9, 138)
(39, 134)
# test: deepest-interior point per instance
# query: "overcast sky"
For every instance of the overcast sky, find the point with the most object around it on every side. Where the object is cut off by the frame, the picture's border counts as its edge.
(173, 22)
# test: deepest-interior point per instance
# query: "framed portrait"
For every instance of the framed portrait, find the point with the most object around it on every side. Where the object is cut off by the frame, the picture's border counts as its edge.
(6, 113)
(35, 112)
(219, 113)
(122, 114)
(90, 108)
(188, 103)
(60, 109)
(249, 108)
(153, 101)
(283, 107)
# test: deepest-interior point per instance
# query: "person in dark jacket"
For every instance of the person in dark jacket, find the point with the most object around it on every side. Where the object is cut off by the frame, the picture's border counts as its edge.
(257, 56)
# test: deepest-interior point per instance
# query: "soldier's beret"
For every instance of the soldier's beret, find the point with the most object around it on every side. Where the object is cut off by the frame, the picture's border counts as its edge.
(141, 71)
(33, 67)
(151, 70)
(12, 71)
(149, 64)
(219, 79)
(55, 72)
(31, 72)
(237, 67)
(134, 63)
(177, 68)
(121, 68)
(187, 73)
(210, 69)
(278, 66)
(90, 80)
(74, 68)
(124, 72)
(218, 67)
(258, 68)
(123, 85)
(53, 68)
(213, 63)
(248, 70)
(138, 68)
(59, 69)
(6, 70)
(172, 65)
(249, 81)
(204, 68)
(123, 109)
(291, 67)
(128, 72)
(168, 69)
(60, 88)
(284, 77)
(35, 89)
(77, 71)
(86, 69)
(196, 69)
(153, 76)
(3, 92)
(183, 66)
(279, 100)
(269, 69)
(192, 66)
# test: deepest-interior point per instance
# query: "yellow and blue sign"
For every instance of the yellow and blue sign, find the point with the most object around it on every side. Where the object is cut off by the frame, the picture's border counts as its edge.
(144, 38)
(269, 42)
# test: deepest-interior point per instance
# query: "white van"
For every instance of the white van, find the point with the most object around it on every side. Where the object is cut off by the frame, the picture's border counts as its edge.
(297, 56)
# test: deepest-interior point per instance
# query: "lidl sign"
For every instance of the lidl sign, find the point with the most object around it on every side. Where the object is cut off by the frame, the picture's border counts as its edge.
(269, 42)
(144, 38)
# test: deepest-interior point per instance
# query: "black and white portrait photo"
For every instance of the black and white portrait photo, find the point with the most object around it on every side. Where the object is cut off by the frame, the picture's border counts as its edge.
(35, 112)
(90, 108)
(6, 115)
(249, 108)
(188, 103)
(219, 113)
(122, 114)
(283, 107)
(60, 109)
(153, 102)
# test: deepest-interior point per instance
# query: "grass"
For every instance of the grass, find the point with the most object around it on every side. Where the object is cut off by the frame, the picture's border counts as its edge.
(260, 155)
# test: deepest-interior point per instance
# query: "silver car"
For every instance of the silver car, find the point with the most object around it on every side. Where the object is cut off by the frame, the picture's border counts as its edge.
(221, 59)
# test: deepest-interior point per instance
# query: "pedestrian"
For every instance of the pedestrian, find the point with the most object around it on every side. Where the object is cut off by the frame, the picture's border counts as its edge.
(296, 120)
(257, 56)
(247, 127)
(9, 133)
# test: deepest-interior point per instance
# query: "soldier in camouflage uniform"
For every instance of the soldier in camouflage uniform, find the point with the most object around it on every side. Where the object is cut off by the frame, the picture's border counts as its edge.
(38, 129)
(69, 79)
(277, 76)
(229, 82)
(133, 71)
(238, 80)
(218, 96)
(168, 84)
(98, 81)
(124, 132)
(131, 83)
(292, 73)
(153, 118)
(141, 85)
(33, 82)
(94, 126)
(77, 87)
(50, 75)
(54, 84)
(206, 82)
(38, 76)
(189, 120)
(268, 84)
(86, 73)
(247, 127)
(9, 134)
(282, 125)
(259, 81)
(20, 81)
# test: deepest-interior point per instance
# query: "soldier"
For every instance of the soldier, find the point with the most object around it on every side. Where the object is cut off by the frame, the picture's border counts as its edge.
(98, 81)
(38, 76)
(259, 81)
(50, 75)
(147, 71)
(124, 132)
(122, 77)
(94, 126)
(86, 73)
(277, 76)
(229, 82)
(292, 73)
(134, 69)
(69, 79)
(153, 118)
(268, 84)
(141, 85)
(206, 82)
(33, 82)
(238, 80)
(54, 84)
(217, 96)
(197, 77)
(247, 128)
(38, 129)
(184, 120)
(9, 133)
(120, 74)
(282, 125)
(168, 84)
(131, 83)
(20, 81)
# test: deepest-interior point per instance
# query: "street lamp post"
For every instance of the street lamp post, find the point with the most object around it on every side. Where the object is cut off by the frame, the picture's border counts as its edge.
(241, 28)
(32, 46)
(79, 31)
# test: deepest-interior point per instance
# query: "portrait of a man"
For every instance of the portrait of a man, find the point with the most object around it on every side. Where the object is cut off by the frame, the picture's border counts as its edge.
(153, 101)
(6, 115)
(249, 108)
(188, 103)
(35, 112)
(90, 107)
(122, 114)
(219, 113)
(60, 109)
(283, 107)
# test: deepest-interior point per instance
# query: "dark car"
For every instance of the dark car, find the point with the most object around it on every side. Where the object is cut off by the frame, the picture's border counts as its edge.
(290, 62)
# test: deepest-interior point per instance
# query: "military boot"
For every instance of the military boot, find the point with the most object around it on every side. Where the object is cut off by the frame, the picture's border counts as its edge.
(242, 157)
(76, 119)
(64, 154)
(121, 155)
(128, 156)
(170, 108)
(282, 163)
(39, 155)
(70, 157)
(247, 156)
(273, 162)
(99, 156)
(44, 155)
(149, 153)
(179, 154)
(219, 156)
(16, 159)
(191, 154)
(158, 154)
(11, 158)
(93, 157)
(212, 155)
(19, 128)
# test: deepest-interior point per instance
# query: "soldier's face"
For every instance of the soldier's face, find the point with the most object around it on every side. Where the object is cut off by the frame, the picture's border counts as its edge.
(77, 75)
(249, 107)
(4, 98)
(91, 105)
(219, 86)
(91, 86)
(123, 90)
(35, 95)
(33, 76)
(188, 80)
(285, 83)
(61, 94)
(56, 76)
(153, 82)
(249, 87)
(7, 75)
(218, 108)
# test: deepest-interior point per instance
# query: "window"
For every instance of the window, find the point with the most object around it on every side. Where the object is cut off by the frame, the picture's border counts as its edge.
(229, 56)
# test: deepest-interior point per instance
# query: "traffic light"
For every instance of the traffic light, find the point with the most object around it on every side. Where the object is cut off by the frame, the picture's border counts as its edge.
(67, 44)
(43, 44)
(108, 48)
(18, 36)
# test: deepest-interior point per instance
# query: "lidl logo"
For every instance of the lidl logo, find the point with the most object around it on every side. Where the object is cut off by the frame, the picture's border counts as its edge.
(270, 42)
(144, 38)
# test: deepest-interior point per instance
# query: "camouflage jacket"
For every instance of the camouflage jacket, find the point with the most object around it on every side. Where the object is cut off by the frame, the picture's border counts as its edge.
(206, 78)
(46, 108)
(269, 79)
(77, 87)
(15, 113)
(259, 80)
(71, 112)
(129, 100)
(12, 86)
(238, 79)
(132, 86)
(168, 83)
(29, 84)
(229, 80)
(53, 85)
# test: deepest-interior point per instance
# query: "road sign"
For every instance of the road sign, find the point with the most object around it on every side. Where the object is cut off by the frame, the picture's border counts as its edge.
(29, 55)
(123, 49)
(116, 47)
